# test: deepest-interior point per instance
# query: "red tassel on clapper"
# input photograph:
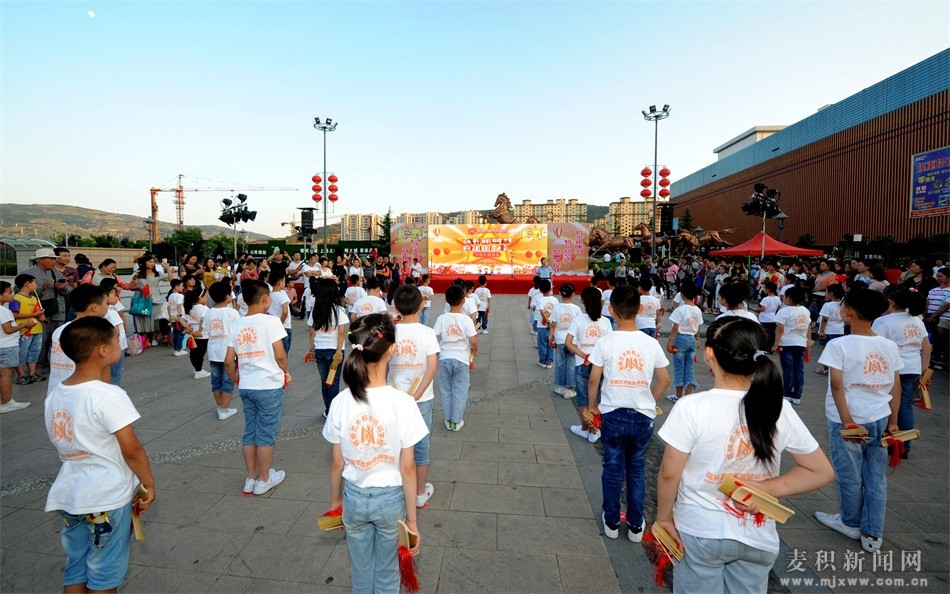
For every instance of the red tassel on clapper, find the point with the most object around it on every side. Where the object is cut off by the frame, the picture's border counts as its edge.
(658, 557)
(898, 448)
(407, 570)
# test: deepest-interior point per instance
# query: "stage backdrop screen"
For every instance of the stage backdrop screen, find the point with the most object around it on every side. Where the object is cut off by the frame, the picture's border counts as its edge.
(408, 241)
(508, 249)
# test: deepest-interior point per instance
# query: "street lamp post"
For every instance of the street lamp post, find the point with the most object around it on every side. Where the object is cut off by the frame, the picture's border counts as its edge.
(148, 228)
(782, 219)
(655, 116)
(327, 126)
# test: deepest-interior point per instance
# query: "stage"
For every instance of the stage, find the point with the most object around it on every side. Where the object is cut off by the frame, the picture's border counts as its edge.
(506, 284)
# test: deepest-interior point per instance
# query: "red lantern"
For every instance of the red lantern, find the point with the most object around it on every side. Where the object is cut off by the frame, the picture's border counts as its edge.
(645, 182)
(317, 179)
(647, 172)
(664, 193)
(664, 172)
(645, 193)
(663, 182)
(317, 197)
(333, 197)
(332, 188)
(332, 178)
(316, 188)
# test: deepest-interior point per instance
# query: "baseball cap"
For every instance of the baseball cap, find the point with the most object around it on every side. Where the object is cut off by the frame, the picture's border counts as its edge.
(43, 253)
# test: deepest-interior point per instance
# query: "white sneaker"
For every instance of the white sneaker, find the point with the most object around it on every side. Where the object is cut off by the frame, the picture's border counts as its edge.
(608, 531)
(569, 393)
(593, 437)
(834, 522)
(484, 332)
(13, 405)
(226, 413)
(249, 485)
(154, 343)
(423, 500)
(559, 390)
(275, 478)
(871, 544)
(636, 534)
(202, 374)
(181, 353)
(580, 431)
(459, 425)
(549, 365)
(542, 365)
(448, 424)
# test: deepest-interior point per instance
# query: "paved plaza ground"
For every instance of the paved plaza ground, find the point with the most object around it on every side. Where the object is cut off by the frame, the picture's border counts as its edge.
(516, 508)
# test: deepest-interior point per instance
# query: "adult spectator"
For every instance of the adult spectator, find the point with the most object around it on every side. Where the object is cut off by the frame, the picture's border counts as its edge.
(107, 270)
(62, 266)
(383, 273)
(84, 269)
(920, 277)
(545, 271)
(878, 279)
(189, 266)
(937, 317)
(52, 289)
(863, 274)
(147, 276)
(279, 261)
(416, 269)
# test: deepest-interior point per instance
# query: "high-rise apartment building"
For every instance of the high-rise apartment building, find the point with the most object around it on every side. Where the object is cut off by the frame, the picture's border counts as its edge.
(552, 211)
(626, 213)
(423, 218)
(466, 217)
(360, 227)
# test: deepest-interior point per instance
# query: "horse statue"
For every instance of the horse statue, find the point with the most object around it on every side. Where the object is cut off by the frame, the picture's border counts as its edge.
(502, 211)
(714, 237)
(641, 232)
(600, 239)
(687, 242)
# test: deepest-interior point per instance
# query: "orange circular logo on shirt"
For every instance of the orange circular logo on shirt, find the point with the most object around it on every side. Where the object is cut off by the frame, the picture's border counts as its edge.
(246, 336)
(630, 363)
(61, 427)
(367, 434)
(406, 349)
(876, 368)
(911, 331)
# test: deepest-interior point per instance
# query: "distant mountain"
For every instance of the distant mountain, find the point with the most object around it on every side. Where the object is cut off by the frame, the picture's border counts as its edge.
(45, 220)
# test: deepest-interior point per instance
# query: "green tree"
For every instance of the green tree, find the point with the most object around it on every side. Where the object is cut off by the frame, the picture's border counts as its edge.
(60, 239)
(686, 220)
(106, 240)
(806, 240)
(220, 244)
(385, 239)
(186, 240)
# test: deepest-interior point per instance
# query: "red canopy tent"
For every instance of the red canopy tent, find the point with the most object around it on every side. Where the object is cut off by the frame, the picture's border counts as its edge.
(773, 247)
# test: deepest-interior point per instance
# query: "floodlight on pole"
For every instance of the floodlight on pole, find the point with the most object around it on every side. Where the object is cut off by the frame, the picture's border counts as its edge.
(655, 117)
(328, 126)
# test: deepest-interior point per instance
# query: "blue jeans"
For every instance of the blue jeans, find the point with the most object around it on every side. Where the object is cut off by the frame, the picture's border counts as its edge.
(178, 337)
(421, 450)
(483, 319)
(905, 414)
(613, 322)
(564, 367)
(713, 566)
(424, 315)
(220, 382)
(545, 354)
(582, 379)
(453, 387)
(324, 358)
(261, 416)
(30, 349)
(97, 554)
(860, 477)
(651, 332)
(287, 340)
(370, 515)
(683, 373)
(115, 370)
(625, 434)
(793, 370)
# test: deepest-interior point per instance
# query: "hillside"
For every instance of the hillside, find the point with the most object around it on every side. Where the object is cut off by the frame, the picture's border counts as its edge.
(43, 220)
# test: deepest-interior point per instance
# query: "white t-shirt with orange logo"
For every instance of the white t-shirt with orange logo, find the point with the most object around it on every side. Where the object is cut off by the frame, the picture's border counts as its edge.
(908, 332)
(797, 321)
(252, 338)
(562, 316)
(689, 317)
(468, 308)
(647, 316)
(832, 310)
(708, 427)
(586, 333)
(369, 304)
(544, 303)
(60, 366)
(454, 331)
(628, 359)
(414, 342)
(868, 364)
(372, 434)
(353, 294)
(327, 339)
(217, 328)
(483, 294)
(80, 421)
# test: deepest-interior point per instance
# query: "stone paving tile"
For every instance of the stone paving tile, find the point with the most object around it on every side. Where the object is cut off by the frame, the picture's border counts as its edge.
(259, 513)
(547, 436)
(278, 556)
(501, 452)
(565, 503)
(456, 529)
(549, 454)
(544, 422)
(306, 524)
(498, 571)
(559, 536)
(471, 432)
(464, 471)
(186, 581)
(503, 499)
(538, 475)
(444, 449)
(587, 574)
(41, 573)
(180, 507)
(178, 476)
(185, 548)
(480, 420)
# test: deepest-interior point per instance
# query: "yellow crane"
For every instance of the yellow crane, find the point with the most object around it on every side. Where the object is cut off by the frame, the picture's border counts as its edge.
(179, 199)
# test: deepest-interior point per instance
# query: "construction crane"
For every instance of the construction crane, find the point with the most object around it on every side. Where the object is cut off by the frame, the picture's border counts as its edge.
(180, 200)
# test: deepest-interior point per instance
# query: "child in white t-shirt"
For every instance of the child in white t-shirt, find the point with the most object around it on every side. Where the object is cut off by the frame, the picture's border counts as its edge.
(732, 298)
(104, 465)
(830, 324)
(353, 293)
(532, 293)
(10, 349)
(459, 347)
(767, 309)
(629, 361)
(561, 318)
(484, 302)
(327, 323)
(427, 295)
(412, 370)
(651, 311)
(280, 304)
(744, 407)
(87, 300)
(256, 345)
(863, 390)
(792, 326)
(371, 303)
(217, 326)
(176, 313)
(373, 429)
(687, 319)
(469, 303)
(195, 308)
(543, 306)
(582, 336)
(611, 285)
(114, 315)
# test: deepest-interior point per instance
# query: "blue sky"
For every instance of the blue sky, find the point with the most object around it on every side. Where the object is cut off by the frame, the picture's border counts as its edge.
(441, 105)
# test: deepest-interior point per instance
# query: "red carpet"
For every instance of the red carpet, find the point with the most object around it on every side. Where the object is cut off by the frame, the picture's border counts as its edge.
(507, 284)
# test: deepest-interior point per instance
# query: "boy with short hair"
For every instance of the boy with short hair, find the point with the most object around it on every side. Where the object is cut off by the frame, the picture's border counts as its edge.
(459, 344)
(217, 327)
(732, 297)
(256, 343)
(651, 312)
(768, 307)
(532, 293)
(427, 294)
(10, 349)
(792, 326)
(611, 285)
(353, 293)
(87, 301)
(104, 465)
(176, 310)
(864, 389)
(371, 303)
(116, 319)
(543, 307)
(280, 304)
(415, 360)
(628, 360)
(484, 302)
(26, 306)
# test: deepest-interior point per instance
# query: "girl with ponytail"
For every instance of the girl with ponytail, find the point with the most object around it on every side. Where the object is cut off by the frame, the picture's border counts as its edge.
(373, 428)
(740, 427)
